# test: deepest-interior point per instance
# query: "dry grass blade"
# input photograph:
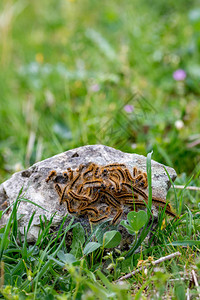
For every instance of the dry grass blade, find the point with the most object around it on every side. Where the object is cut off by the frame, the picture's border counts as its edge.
(30, 146)
(2, 274)
(192, 188)
(194, 277)
(158, 261)
(188, 294)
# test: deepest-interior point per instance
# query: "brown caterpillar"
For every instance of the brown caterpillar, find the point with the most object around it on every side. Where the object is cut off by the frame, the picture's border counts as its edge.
(52, 174)
(112, 184)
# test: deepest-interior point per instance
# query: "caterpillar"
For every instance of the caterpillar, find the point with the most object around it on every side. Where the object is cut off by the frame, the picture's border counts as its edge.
(52, 174)
(111, 184)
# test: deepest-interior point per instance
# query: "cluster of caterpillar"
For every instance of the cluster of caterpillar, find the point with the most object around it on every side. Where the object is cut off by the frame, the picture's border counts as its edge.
(99, 190)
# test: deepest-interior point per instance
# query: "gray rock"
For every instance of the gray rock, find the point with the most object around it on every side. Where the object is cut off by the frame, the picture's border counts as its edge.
(36, 189)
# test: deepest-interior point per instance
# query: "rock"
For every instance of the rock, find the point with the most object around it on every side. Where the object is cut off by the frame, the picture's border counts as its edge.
(44, 194)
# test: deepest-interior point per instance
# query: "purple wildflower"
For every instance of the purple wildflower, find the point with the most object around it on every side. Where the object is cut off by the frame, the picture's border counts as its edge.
(179, 75)
(128, 108)
(95, 87)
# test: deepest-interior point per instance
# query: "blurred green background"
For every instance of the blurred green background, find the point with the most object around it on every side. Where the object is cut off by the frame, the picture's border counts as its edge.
(84, 72)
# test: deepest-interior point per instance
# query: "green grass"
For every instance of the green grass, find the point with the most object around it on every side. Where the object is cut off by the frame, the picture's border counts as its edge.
(89, 268)
(54, 53)
(67, 69)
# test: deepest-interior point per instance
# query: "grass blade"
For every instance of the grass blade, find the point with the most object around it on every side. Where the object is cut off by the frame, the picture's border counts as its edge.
(42, 270)
(5, 238)
(185, 243)
(24, 248)
(181, 198)
(175, 194)
(148, 166)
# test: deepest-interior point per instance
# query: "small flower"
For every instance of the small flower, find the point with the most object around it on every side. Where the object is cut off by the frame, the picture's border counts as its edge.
(133, 145)
(39, 58)
(106, 257)
(179, 75)
(18, 167)
(110, 267)
(128, 108)
(118, 251)
(145, 271)
(121, 258)
(95, 87)
(179, 124)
